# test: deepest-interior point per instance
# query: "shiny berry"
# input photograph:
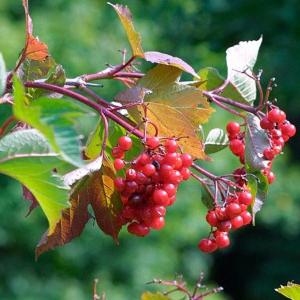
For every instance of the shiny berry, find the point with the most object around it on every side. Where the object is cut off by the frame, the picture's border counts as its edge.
(274, 115)
(117, 152)
(222, 240)
(237, 222)
(208, 245)
(138, 229)
(233, 128)
(161, 197)
(237, 147)
(265, 123)
(269, 154)
(245, 197)
(187, 160)
(119, 164)
(288, 129)
(125, 143)
(152, 142)
(247, 217)
(171, 145)
(149, 169)
(211, 218)
(158, 223)
(232, 210)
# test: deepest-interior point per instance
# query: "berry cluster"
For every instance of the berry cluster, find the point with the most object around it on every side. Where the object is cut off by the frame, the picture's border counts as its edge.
(237, 140)
(279, 131)
(232, 215)
(150, 183)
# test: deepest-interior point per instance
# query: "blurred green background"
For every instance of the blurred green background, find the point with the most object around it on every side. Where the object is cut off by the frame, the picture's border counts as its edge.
(83, 36)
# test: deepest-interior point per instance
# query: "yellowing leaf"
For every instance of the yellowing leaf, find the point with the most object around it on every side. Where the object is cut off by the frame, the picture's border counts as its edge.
(35, 49)
(291, 291)
(134, 37)
(154, 296)
(170, 122)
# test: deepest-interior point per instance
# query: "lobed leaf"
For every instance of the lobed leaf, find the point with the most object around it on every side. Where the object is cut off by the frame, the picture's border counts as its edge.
(54, 118)
(256, 140)
(154, 296)
(216, 141)
(2, 75)
(291, 291)
(26, 156)
(241, 59)
(133, 36)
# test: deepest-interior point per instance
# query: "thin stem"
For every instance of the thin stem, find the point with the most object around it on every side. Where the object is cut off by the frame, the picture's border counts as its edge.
(204, 172)
(6, 124)
(225, 107)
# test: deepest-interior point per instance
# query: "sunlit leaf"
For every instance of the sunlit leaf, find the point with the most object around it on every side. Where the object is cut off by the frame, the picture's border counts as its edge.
(256, 141)
(242, 58)
(211, 79)
(291, 291)
(133, 36)
(216, 141)
(170, 122)
(154, 296)
(54, 118)
(166, 59)
(94, 143)
(2, 75)
(26, 156)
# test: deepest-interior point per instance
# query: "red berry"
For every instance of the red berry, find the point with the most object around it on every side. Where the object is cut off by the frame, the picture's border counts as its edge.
(158, 223)
(170, 189)
(125, 143)
(222, 240)
(149, 169)
(171, 145)
(138, 229)
(117, 152)
(265, 123)
(271, 177)
(282, 116)
(237, 147)
(178, 163)
(237, 222)
(165, 171)
(288, 129)
(279, 142)
(159, 211)
(135, 200)
(207, 245)
(221, 213)
(233, 128)
(245, 197)
(186, 173)
(175, 177)
(224, 226)
(211, 218)
(119, 184)
(119, 164)
(141, 178)
(269, 154)
(274, 115)
(187, 160)
(171, 159)
(143, 159)
(276, 133)
(233, 210)
(131, 186)
(152, 142)
(131, 174)
(161, 197)
(247, 218)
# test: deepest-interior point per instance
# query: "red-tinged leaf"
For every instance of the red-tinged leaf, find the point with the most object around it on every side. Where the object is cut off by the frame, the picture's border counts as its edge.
(134, 37)
(166, 59)
(105, 200)
(72, 222)
(30, 197)
(35, 49)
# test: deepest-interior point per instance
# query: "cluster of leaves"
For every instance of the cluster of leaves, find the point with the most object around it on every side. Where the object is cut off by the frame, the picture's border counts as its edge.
(45, 154)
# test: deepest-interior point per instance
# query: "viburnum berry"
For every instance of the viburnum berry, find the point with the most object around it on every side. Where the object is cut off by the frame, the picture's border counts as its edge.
(161, 197)
(152, 142)
(233, 128)
(233, 210)
(117, 152)
(237, 147)
(245, 197)
(119, 164)
(288, 129)
(187, 160)
(274, 115)
(158, 223)
(125, 143)
(211, 218)
(247, 218)
(207, 245)
(170, 188)
(138, 229)
(265, 123)
(269, 153)
(149, 169)
(222, 240)
(171, 145)
(237, 222)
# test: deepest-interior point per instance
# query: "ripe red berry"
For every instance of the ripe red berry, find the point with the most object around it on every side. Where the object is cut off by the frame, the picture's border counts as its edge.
(233, 128)
(171, 159)
(222, 240)
(237, 147)
(233, 210)
(161, 197)
(175, 177)
(276, 133)
(247, 217)
(138, 229)
(187, 160)
(221, 213)
(211, 218)
(117, 152)
(265, 123)
(152, 142)
(245, 197)
(271, 177)
(119, 164)
(288, 129)
(282, 116)
(158, 223)
(207, 245)
(165, 171)
(224, 226)
(119, 184)
(171, 145)
(149, 169)
(274, 115)
(143, 159)
(186, 173)
(269, 154)
(237, 222)
(159, 211)
(170, 189)
(125, 143)
(131, 174)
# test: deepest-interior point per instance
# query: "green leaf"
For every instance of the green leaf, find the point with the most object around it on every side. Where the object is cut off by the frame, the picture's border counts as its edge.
(2, 75)
(94, 142)
(26, 156)
(216, 141)
(154, 296)
(291, 291)
(242, 58)
(259, 185)
(211, 79)
(54, 118)
(256, 141)
(207, 197)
